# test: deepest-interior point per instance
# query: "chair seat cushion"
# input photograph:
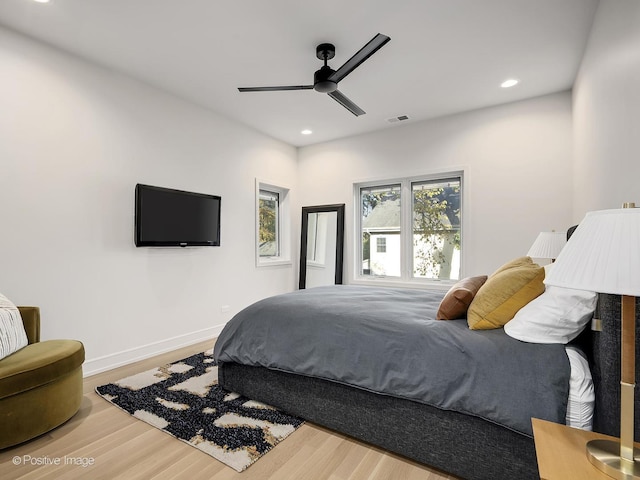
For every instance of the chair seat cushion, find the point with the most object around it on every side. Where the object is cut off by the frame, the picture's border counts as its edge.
(39, 364)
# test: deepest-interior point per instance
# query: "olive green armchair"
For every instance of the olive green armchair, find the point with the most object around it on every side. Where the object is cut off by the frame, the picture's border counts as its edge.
(40, 384)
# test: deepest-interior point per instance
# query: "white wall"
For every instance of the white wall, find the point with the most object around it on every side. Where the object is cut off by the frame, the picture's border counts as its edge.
(75, 138)
(518, 173)
(607, 111)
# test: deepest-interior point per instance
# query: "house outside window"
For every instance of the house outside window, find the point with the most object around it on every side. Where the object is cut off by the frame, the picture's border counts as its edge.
(272, 225)
(410, 229)
(380, 220)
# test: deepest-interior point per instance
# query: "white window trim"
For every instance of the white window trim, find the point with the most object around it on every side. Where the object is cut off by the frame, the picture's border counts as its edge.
(406, 261)
(284, 225)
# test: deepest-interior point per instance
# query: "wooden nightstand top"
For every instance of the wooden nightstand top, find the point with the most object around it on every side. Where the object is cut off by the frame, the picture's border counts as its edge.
(561, 452)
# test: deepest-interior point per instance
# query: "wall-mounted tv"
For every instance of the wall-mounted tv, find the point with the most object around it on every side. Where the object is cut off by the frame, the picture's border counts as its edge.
(168, 218)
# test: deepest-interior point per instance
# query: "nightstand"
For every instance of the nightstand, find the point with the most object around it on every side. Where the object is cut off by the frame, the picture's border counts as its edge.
(561, 452)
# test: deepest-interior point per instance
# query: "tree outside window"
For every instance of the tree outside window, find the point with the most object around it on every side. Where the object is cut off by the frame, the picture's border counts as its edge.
(273, 225)
(436, 229)
(268, 206)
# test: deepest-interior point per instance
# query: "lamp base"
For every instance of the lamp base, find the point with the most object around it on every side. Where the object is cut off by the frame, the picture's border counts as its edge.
(605, 456)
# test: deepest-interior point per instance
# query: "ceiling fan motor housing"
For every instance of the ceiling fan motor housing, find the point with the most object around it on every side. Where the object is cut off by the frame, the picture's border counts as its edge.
(325, 51)
(321, 82)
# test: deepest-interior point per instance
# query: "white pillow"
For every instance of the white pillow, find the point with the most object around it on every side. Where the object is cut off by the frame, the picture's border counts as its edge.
(556, 316)
(12, 334)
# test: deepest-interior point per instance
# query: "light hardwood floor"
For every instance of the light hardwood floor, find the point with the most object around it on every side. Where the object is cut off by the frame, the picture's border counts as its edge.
(120, 447)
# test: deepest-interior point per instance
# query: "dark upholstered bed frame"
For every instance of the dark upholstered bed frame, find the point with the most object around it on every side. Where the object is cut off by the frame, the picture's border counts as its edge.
(466, 446)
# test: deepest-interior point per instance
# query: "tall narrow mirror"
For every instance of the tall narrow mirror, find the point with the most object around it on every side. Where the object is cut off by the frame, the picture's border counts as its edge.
(321, 245)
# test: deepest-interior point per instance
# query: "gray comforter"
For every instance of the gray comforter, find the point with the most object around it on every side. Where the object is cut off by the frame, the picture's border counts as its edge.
(387, 340)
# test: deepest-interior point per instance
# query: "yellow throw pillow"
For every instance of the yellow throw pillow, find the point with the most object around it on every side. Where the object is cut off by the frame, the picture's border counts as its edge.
(505, 292)
(518, 262)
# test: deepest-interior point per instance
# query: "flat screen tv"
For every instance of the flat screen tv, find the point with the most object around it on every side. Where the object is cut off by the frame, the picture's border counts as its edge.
(168, 218)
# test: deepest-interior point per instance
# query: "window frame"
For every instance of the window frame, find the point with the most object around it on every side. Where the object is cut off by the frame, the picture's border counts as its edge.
(283, 225)
(275, 196)
(406, 277)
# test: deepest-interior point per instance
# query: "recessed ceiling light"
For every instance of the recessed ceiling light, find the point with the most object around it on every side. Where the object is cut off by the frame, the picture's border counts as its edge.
(509, 83)
(306, 131)
(42, 1)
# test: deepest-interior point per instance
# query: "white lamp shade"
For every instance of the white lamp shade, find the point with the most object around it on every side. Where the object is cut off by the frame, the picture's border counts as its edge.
(602, 255)
(547, 245)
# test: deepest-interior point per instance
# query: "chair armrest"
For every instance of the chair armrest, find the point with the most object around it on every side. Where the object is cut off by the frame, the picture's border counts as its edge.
(31, 320)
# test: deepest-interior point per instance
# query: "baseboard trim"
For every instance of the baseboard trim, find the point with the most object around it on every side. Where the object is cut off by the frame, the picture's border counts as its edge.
(108, 362)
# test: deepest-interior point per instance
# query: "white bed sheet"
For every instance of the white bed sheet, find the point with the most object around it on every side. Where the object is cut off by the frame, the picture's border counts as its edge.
(581, 392)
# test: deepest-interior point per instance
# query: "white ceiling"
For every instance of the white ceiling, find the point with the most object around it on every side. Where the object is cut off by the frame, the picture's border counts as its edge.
(445, 56)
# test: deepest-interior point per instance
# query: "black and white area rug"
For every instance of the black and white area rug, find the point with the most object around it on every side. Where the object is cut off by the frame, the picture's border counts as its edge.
(184, 400)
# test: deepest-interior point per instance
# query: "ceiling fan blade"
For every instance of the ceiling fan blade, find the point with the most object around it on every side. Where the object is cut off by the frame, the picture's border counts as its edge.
(339, 97)
(375, 44)
(275, 89)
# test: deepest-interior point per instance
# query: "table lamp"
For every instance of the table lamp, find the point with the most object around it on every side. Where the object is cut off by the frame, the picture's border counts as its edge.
(548, 245)
(603, 255)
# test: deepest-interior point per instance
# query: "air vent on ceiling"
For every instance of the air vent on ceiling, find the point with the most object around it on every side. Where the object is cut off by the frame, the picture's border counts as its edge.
(399, 118)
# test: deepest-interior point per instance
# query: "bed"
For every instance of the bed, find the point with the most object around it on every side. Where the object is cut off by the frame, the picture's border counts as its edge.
(464, 409)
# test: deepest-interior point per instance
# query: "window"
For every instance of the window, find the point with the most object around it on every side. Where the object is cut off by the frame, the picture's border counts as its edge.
(272, 225)
(410, 229)
(268, 231)
(380, 219)
(436, 228)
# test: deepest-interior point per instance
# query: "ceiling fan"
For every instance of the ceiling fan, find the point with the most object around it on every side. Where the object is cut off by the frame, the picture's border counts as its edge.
(326, 79)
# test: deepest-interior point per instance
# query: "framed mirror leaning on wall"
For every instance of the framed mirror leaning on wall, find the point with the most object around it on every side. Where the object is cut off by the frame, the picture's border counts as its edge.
(321, 245)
